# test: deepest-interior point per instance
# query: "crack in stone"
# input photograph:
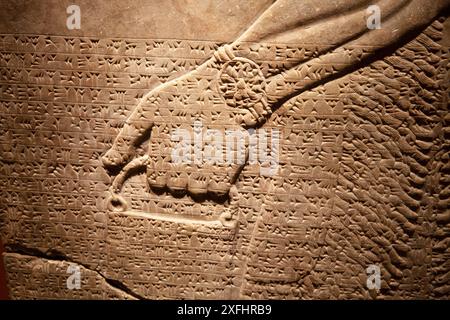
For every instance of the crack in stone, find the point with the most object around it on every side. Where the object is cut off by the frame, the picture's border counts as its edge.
(56, 255)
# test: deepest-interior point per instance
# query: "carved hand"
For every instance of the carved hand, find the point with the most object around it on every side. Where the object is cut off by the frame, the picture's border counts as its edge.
(221, 96)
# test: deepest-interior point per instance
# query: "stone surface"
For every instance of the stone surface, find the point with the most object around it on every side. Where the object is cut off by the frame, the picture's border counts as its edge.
(358, 128)
(46, 279)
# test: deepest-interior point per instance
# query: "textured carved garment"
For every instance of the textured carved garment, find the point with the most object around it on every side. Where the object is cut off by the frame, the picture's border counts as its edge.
(356, 122)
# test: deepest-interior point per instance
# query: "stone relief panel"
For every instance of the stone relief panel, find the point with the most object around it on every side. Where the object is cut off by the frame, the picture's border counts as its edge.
(279, 160)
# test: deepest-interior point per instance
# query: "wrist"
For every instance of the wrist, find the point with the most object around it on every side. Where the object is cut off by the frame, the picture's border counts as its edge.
(243, 86)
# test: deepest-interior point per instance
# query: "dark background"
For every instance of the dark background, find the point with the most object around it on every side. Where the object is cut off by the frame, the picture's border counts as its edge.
(3, 290)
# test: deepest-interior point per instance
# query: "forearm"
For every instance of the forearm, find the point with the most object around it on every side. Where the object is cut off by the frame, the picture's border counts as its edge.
(331, 37)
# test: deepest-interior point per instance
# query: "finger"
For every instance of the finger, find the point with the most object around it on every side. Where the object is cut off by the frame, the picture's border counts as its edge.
(157, 173)
(177, 178)
(198, 183)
